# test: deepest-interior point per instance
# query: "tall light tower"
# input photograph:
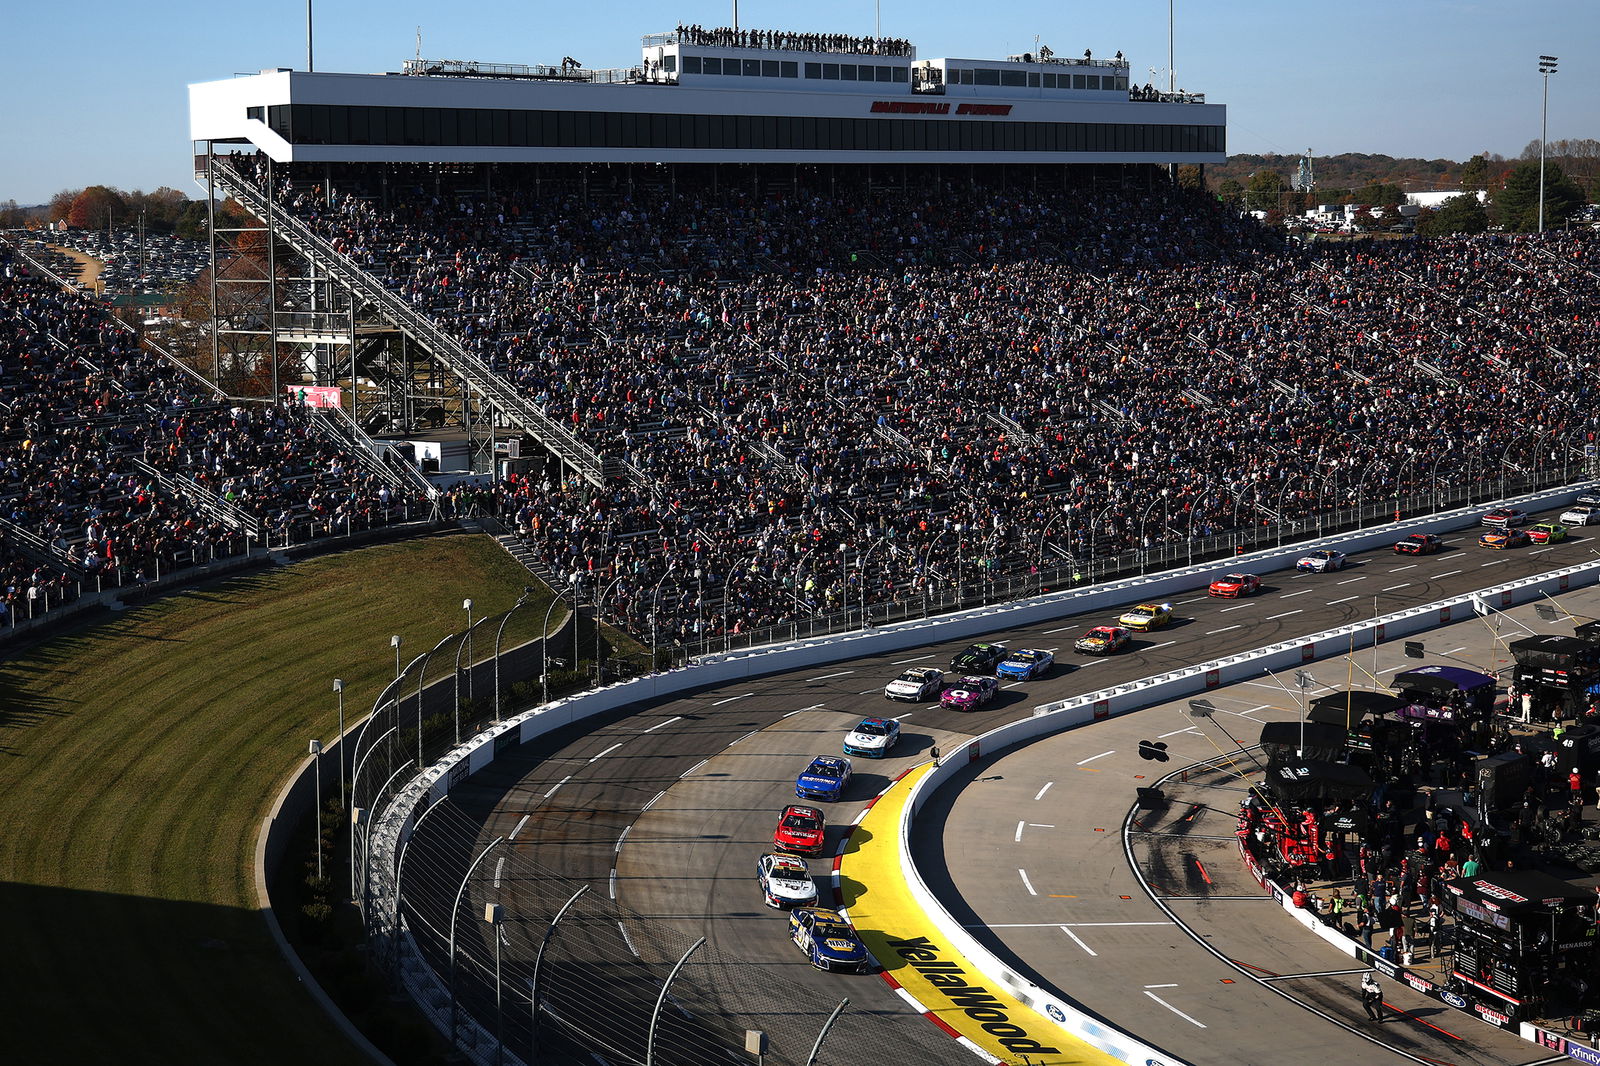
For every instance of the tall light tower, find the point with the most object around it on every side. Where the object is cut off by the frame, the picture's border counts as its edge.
(1547, 67)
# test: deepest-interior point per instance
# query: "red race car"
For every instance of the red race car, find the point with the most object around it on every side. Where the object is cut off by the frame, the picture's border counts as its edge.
(1233, 586)
(1418, 544)
(800, 830)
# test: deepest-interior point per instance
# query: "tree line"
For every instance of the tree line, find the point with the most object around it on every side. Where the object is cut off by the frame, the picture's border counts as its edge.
(165, 210)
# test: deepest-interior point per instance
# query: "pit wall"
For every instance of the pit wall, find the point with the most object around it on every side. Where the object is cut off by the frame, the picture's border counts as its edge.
(394, 824)
(1057, 717)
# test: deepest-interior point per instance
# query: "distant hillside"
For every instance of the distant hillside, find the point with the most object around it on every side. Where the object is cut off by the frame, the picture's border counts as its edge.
(1353, 170)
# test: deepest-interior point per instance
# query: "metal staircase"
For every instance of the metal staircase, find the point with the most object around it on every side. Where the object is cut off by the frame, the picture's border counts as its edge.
(203, 500)
(474, 373)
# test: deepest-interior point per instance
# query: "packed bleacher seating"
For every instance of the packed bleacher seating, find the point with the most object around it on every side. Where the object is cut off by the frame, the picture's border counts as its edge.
(957, 381)
(117, 466)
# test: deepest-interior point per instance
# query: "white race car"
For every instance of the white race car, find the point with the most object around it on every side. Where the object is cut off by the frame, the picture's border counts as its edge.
(1321, 561)
(785, 881)
(1581, 516)
(916, 684)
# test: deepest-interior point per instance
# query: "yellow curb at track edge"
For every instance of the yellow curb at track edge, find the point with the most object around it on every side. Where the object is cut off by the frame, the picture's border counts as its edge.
(924, 966)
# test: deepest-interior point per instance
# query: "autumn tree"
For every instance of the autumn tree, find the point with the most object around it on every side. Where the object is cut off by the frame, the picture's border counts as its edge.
(95, 206)
(61, 204)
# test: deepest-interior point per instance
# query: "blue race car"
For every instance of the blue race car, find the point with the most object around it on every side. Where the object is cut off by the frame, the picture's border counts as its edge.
(824, 779)
(828, 940)
(1025, 665)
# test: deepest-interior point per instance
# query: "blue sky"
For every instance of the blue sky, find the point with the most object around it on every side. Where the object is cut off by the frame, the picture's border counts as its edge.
(95, 91)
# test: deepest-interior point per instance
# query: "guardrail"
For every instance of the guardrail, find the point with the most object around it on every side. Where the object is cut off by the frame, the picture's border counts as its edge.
(1062, 715)
(391, 829)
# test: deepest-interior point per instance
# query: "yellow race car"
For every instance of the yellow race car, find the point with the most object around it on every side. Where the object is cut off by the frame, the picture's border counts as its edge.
(1147, 616)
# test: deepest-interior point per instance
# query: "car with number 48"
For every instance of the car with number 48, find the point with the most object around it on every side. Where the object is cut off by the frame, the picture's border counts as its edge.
(828, 940)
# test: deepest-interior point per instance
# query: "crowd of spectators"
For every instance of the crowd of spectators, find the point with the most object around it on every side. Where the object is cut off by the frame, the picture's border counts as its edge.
(113, 460)
(808, 392)
(729, 37)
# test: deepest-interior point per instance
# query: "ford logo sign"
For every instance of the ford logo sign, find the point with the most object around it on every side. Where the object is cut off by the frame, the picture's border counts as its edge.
(1055, 1012)
(1454, 1000)
(1154, 1062)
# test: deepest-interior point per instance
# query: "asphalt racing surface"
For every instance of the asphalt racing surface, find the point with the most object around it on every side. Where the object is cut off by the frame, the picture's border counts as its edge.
(667, 808)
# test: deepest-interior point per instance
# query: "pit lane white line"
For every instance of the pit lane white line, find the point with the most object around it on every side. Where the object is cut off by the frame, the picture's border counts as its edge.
(518, 829)
(652, 803)
(747, 736)
(1408, 566)
(1013, 684)
(608, 751)
(1491, 562)
(791, 713)
(1285, 614)
(557, 785)
(620, 839)
(669, 721)
(1452, 651)
(1236, 607)
(825, 677)
(1402, 585)
(1043, 790)
(1163, 644)
(1447, 573)
(1347, 599)
(1102, 755)
(1224, 629)
(1348, 580)
(1079, 942)
(692, 769)
(1017, 839)
(1175, 732)
(1541, 551)
(1161, 986)
(1175, 1010)
(1026, 883)
(1291, 595)
(730, 699)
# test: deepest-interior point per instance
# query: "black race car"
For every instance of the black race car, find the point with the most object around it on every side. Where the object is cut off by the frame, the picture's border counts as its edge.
(978, 659)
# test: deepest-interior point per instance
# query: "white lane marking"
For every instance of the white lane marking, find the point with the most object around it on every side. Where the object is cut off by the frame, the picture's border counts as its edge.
(613, 882)
(1224, 629)
(1014, 684)
(814, 707)
(1076, 940)
(1026, 883)
(909, 998)
(1057, 925)
(621, 838)
(628, 940)
(919, 658)
(740, 696)
(1285, 614)
(1174, 1010)
(1039, 825)
(1402, 585)
(1292, 595)
(1175, 732)
(1163, 644)
(692, 769)
(1348, 580)
(825, 677)
(747, 736)
(1391, 669)
(1491, 562)
(1347, 599)
(1237, 607)
(1197, 599)
(520, 824)
(791, 713)
(499, 867)
(1408, 566)
(608, 751)
(1063, 629)
(1043, 790)
(1161, 986)
(1541, 551)
(652, 803)
(557, 785)
(1447, 573)
(669, 721)
(1091, 662)
(863, 692)
(1452, 651)
(1102, 755)
(1017, 839)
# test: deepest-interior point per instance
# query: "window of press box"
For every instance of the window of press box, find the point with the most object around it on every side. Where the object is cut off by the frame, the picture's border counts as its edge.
(813, 70)
(752, 68)
(984, 76)
(830, 72)
(1013, 78)
(711, 65)
(669, 64)
(691, 64)
(257, 113)
(769, 68)
(1033, 81)
(790, 69)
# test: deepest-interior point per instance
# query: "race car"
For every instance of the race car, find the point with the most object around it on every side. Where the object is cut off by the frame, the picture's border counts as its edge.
(1147, 616)
(978, 659)
(785, 881)
(873, 737)
(828, 940)
(917, 683)
(1504, 538)
(1590, 498)
(1547, 532)
(824, 779)
(1233, 586)
(1321, 561)
(1418, 544)
(800, 830)
(1025, 665)
(969, 693)
(1581, 516)
(1505, 517)
(1102, 640)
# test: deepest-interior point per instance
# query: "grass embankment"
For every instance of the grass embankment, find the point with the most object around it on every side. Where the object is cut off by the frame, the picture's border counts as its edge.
(138, 756)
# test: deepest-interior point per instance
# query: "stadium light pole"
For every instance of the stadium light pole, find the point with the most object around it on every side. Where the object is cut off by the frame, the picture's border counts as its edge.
(338, 688)
(527, 590)
(315, 750)
(1547, 67)
(395, 642)
(310, 66)
(599, 604)
(472, 657)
